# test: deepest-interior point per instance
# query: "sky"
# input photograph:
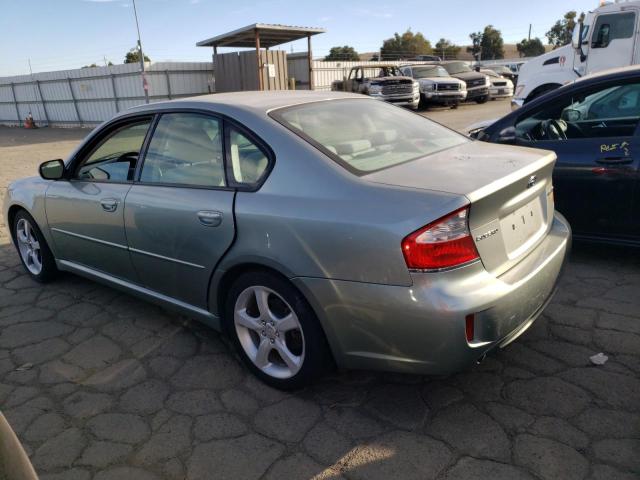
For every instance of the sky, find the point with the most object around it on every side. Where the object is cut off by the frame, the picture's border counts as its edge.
(65, 34)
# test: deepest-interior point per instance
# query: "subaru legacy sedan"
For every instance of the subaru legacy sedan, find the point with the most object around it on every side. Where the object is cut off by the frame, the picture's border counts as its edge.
(314, 228)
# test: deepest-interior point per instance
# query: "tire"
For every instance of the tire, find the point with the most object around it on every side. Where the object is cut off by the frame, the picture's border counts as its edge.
(484, 99)
(259, 336)
(33, 250)
(455, 105)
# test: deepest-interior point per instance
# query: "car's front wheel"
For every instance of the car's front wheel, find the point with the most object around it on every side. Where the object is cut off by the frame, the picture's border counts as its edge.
(275, 331)
(34, 252)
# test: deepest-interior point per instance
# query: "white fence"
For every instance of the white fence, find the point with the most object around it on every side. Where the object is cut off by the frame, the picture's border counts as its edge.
(88, 96)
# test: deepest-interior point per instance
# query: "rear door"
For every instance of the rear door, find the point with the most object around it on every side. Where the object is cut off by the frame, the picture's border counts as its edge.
(612, 41)
(594, 133)
(179, 216)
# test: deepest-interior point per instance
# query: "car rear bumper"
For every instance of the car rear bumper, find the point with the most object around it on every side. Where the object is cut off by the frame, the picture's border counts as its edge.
(421, 328)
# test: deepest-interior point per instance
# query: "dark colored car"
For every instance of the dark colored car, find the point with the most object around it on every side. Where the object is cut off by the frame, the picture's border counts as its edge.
(593, 127)
(477, 83)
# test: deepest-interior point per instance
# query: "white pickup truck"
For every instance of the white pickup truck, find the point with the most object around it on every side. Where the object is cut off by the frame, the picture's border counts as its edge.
(605, 39)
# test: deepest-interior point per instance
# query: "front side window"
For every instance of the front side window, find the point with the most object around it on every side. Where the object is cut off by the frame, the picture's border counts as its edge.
(115, 158)
(611, 27)
(186, 149)
(248, 161)
(608, 111)
(367, 135)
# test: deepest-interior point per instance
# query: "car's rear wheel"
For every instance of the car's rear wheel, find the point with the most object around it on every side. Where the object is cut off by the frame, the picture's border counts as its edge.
(484, 99)
(275, 331)
(35, 254)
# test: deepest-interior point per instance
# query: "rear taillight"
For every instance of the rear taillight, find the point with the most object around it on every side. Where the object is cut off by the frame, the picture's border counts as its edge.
(444, 243)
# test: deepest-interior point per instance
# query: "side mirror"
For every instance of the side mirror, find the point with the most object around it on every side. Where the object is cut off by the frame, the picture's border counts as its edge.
(577, 40)
(52, 169)
(571, 115)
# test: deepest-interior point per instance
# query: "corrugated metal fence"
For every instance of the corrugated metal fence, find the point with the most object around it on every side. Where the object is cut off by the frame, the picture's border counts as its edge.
(88, 96)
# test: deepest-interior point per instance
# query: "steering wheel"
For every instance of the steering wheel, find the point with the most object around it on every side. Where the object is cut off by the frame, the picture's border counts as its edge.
(552, 130)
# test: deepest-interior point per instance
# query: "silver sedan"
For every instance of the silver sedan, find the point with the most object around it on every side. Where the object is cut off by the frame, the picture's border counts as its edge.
(315, 229)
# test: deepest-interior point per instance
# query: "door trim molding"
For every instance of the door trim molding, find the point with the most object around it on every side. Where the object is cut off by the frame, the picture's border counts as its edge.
(124, 247)
(91, 239)
(162, 257)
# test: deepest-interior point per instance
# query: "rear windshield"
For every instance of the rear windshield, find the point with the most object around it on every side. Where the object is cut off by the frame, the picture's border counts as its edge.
(367, 135)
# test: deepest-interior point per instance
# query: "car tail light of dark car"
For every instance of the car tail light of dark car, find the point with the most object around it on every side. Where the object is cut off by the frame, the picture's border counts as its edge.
(444, 243)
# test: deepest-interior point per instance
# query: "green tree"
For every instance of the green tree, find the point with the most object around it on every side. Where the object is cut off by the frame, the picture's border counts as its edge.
(530, 48)
(561, 31)
(446, 49)
(133, 56)
(90, 66)
(492, 45)
(475, 48)
(405, 46)
(346, 53)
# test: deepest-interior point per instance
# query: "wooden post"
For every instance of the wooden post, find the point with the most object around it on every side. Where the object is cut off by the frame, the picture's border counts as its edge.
(310, 59)
(259, 60)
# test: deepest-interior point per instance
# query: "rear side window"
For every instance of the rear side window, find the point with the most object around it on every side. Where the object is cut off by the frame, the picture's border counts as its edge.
(367, 135)
(186, 149)
(248, 161)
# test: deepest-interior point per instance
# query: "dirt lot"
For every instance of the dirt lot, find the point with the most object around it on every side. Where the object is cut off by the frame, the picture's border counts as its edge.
(100, 385)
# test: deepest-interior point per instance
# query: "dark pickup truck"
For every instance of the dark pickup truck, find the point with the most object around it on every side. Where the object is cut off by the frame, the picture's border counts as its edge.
(477, 83)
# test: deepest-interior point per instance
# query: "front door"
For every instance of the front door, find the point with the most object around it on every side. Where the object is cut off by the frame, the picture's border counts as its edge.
(595, 136)
(86, 212)
(179, 215)
(612, 41)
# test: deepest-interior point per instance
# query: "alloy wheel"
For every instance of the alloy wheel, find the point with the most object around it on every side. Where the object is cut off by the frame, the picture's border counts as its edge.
(269, 332)
(29, 246)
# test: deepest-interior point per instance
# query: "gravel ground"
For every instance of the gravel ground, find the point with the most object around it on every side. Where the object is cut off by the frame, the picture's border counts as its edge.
(99, 385)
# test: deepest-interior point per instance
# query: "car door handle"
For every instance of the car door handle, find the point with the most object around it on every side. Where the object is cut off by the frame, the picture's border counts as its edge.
(210, 218)
(614, 160)
(109, 204)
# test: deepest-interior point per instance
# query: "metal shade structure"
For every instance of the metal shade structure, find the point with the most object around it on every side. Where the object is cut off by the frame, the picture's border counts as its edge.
(263, 35)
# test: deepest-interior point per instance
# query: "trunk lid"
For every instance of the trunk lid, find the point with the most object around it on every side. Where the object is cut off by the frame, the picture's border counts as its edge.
(509, 189)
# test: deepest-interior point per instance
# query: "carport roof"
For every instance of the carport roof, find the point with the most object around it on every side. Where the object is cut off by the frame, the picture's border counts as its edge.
(270, 36)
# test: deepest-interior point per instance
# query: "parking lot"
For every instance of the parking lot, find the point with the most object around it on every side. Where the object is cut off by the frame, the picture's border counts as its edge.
(100, 385)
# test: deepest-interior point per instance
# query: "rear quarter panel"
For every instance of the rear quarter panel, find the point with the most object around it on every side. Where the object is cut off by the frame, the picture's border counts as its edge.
(312, 218)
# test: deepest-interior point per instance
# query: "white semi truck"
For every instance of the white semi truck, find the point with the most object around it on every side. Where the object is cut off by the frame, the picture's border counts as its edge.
(607, 38)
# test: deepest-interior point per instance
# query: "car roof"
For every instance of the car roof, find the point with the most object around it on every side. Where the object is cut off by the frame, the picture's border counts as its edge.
(254, 102)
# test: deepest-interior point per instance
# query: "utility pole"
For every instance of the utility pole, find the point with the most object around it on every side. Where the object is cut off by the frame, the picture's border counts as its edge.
(145, 85)
(529, 31)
